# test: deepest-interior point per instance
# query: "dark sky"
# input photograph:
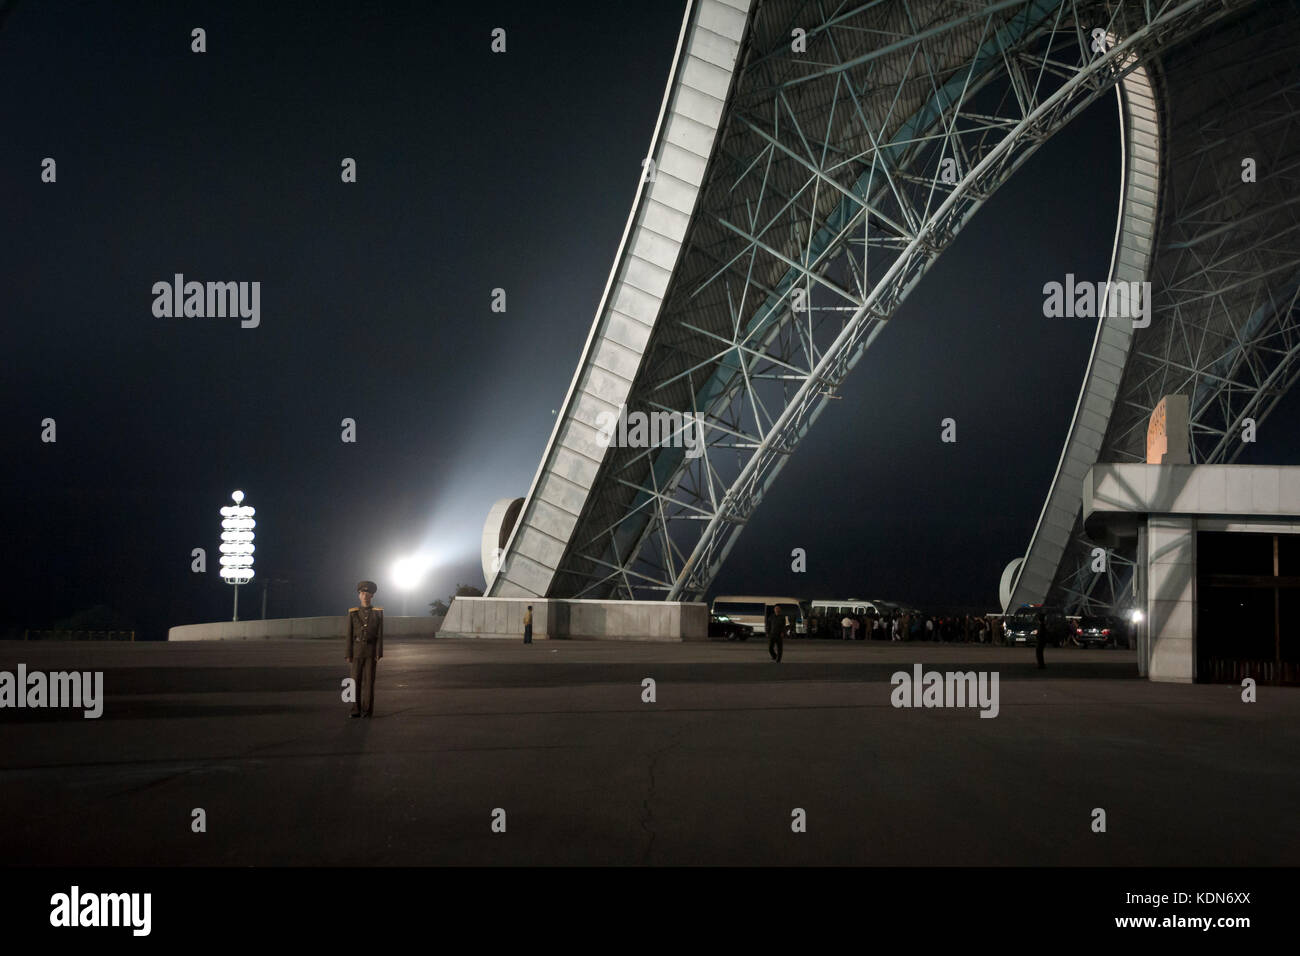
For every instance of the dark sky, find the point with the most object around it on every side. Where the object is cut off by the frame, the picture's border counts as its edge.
(475, 171)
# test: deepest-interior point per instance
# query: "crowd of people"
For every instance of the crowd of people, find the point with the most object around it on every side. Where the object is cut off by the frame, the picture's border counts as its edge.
(906, 626)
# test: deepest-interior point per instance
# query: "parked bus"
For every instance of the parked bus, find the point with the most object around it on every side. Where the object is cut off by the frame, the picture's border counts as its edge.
(754, 610)
(852, 606)
(892, 607)
(825, 614)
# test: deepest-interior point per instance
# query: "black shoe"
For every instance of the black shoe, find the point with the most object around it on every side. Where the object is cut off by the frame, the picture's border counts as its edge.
(354, 714)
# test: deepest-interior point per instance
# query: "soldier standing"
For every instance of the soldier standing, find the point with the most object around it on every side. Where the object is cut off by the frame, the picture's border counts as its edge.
(528, 625)
(365, 647)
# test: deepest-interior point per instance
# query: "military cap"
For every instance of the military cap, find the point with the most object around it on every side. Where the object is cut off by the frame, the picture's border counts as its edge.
(366, 586)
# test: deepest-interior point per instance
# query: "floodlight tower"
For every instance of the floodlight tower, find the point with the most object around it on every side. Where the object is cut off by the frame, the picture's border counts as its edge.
(237, 548)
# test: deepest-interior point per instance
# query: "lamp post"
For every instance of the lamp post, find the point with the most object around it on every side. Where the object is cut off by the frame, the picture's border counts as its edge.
(237, 548)
(266, 583)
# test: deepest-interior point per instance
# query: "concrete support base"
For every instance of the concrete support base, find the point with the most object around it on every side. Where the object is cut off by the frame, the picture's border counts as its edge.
(499, 617)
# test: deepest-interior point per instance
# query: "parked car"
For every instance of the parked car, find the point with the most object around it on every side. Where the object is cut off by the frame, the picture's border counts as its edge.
(1022, 627)
(722, 626)
(1098, 631)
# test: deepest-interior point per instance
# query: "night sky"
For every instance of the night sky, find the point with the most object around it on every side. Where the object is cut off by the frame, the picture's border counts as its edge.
(475, 171)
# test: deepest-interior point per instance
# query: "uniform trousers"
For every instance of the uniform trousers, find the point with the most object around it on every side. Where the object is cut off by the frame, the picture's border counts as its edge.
(363, 678)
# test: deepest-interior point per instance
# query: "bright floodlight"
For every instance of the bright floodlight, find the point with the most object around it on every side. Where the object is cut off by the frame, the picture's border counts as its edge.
(237, 546)
(407, 572)
(1135, 616)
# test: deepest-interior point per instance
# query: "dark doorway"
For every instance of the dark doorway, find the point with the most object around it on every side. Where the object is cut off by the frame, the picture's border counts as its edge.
(1248, 601)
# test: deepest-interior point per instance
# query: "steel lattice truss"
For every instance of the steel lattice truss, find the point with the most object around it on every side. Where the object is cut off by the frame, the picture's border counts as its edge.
(1226, 279)
(840, 177)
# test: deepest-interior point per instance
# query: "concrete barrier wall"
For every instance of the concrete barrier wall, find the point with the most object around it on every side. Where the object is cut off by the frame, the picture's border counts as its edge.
(588, 620)
(496, 617)
(333, 627)
(488, 617)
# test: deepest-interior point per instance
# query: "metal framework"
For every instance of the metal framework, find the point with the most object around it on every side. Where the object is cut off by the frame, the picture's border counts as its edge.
(842, 173)
(1226, 279)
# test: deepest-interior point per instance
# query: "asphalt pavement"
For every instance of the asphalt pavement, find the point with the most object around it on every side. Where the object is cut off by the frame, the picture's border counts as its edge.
(554, 742)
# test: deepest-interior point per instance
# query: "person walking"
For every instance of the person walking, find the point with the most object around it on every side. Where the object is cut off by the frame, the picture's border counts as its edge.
(776, 634)
(846, 627)
(365, 648)
(528, 625)
(1041, 634)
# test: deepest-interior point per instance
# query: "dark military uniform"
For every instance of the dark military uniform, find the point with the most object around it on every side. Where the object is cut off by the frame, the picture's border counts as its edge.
(365, 648)
(776, 632)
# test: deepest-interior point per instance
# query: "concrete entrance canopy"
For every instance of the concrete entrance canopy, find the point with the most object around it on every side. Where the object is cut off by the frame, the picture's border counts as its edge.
(1163, 507)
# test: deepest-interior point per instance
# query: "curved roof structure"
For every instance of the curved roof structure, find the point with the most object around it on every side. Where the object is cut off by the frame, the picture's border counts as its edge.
(1225, 271)
(666, 196)
(1130, 261)
(811, 165)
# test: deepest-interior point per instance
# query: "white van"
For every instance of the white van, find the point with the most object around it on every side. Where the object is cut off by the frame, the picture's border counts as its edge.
(754, 610)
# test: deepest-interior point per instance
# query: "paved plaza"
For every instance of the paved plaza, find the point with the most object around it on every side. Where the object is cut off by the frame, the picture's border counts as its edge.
(556, 734)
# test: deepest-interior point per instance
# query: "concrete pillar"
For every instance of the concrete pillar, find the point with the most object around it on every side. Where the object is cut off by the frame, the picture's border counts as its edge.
(1140, 593)
(1171, 598)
